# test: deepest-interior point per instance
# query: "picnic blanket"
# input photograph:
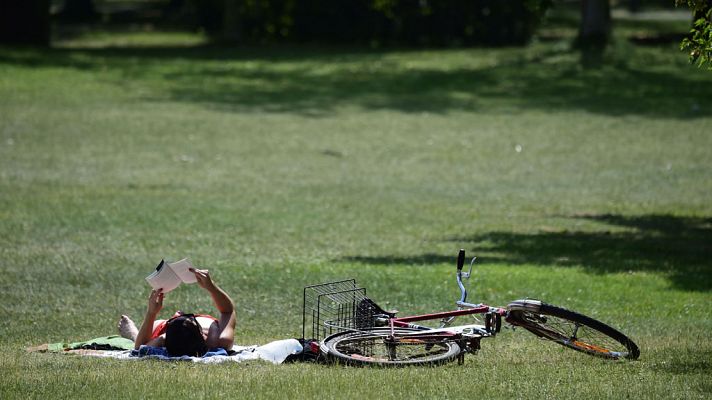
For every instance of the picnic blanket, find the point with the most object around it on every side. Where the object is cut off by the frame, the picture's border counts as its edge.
(119, 348)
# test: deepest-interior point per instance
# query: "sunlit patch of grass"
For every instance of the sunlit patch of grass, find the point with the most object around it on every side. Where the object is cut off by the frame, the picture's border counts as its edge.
(139, 37)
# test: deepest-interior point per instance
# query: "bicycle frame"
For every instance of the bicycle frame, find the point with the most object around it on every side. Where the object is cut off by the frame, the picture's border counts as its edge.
(492, 321)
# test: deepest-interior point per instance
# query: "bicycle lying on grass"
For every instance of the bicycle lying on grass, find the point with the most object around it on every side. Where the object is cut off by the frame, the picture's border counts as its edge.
(351, 328)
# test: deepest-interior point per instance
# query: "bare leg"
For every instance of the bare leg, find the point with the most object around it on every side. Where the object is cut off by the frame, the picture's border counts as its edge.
(127, 328)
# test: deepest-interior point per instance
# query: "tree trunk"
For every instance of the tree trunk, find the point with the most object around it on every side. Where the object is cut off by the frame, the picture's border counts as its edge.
(634, 6)
(231, 31)
(595, 22)
(78, 10)
(24, 22)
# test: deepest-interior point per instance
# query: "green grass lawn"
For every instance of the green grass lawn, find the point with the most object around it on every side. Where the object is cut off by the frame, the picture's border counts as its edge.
(279, 167)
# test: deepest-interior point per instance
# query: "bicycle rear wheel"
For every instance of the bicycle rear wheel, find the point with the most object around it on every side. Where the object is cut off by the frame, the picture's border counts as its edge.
(376, 347)
(571, 329)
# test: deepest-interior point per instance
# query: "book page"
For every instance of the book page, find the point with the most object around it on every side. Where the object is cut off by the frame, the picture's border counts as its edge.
(181, 268)
(163, 278)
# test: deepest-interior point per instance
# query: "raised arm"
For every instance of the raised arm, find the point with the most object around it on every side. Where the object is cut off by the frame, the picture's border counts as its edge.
(155, 304)
(226, 307)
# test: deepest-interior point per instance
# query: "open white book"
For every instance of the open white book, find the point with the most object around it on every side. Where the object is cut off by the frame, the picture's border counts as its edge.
(169, 276)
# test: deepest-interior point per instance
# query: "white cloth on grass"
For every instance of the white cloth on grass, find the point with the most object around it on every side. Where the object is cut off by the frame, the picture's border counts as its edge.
(275, 352)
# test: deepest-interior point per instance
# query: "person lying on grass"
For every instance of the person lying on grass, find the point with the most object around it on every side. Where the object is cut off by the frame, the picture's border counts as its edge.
(185, 334)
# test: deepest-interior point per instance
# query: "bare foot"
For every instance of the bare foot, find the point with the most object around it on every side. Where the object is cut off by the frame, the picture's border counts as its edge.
(127, 328)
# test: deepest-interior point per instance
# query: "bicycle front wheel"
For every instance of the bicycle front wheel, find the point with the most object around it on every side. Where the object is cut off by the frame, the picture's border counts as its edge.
(377, 347)
(571, 329)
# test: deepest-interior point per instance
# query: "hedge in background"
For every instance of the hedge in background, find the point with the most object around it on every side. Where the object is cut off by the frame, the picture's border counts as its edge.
(376, 22)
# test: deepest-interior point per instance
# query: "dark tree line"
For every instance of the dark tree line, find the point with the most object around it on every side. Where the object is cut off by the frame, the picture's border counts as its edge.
(25, 22)
(411, 22)
(414, 22)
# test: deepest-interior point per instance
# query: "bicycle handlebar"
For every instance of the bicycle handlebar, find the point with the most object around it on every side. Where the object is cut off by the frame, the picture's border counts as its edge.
(460, 264)
(460, 260)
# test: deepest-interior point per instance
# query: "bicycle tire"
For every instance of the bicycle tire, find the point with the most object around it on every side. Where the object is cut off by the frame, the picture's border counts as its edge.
(373, 347)
(571, 329)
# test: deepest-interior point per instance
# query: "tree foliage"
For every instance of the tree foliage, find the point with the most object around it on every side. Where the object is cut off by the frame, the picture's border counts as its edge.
(382, 22)
(78, 10)
(25, 22)
(699, 42)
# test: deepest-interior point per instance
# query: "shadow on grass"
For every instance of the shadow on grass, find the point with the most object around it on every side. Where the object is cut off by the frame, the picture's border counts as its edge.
(683, 363)
(678, 247)
(314, 81)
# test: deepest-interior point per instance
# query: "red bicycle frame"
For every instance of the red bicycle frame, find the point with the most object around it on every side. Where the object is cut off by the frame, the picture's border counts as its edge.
(448, 316)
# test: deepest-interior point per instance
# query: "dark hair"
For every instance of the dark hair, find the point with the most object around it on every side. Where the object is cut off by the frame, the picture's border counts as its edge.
(184, 337)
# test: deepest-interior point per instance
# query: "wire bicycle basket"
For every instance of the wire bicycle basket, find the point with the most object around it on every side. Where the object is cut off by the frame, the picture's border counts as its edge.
(335, 307)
